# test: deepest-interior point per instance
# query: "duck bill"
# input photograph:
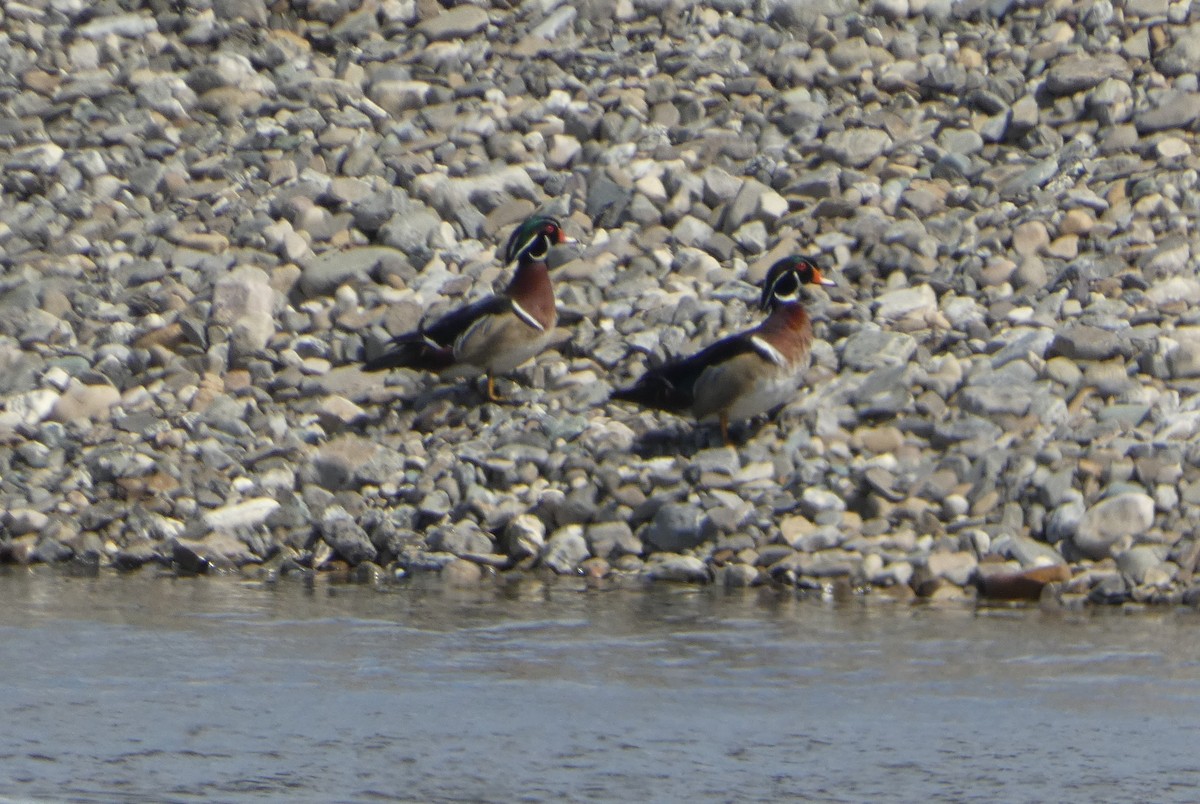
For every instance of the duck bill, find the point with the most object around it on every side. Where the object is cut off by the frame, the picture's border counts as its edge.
(820, 279)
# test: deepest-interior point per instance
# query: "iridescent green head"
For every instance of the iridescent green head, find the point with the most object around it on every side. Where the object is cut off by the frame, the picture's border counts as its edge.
(533, 238)
(786, 278)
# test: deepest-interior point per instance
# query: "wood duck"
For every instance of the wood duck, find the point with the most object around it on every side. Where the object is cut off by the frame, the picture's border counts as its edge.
(746, 374)
(496, 334)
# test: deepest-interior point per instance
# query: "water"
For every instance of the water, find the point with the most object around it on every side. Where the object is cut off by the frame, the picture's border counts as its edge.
(141, 689)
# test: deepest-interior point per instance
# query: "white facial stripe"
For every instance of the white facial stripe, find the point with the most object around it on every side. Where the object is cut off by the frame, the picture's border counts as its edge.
(516, 255)
(524, 315)
(768, 351)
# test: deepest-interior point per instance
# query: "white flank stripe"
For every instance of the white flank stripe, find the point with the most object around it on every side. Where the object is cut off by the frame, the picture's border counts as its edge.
(526, 317)
(768, 351)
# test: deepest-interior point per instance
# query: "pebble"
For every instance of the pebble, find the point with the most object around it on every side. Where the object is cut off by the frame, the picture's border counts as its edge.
(1106, 523)
(565, 550)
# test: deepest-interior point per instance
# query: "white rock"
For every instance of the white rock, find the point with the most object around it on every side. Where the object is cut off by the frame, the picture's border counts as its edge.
(918, 303)
(245, 514)
(32, 407)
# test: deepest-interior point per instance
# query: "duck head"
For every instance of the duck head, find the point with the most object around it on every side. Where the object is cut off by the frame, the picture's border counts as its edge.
(786, 280)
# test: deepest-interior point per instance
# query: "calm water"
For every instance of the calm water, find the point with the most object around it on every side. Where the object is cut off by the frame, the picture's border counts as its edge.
(139, 689)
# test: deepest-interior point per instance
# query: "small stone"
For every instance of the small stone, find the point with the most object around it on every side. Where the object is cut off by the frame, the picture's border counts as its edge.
(1184, 360)
(1174, 110)
(343, 534)
(677, 568)
(244, 301)
(1002, 583)
(323, 275)
(1029, 238)
(1083, 342)
(868, 349)
(565, 550)
(675, 527)
(1075, 73)
(462, 539)
(918, 302)
(856, 147)
(85, 402)
(1111, 520)
(246, 514)
(524, 536)
(1141, 560)
(459, 572)
(958, 568)
(1171, 150)
(336, 411)
(459, 22)
(40, 158)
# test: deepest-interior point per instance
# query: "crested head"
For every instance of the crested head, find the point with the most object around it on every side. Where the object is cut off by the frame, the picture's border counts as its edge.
(787, 278)
(533, 238)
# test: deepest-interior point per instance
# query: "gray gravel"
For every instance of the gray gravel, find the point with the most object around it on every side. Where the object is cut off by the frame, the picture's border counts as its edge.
(207, 215)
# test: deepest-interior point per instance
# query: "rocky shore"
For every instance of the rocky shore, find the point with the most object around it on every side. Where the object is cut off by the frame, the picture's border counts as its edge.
(209, 214)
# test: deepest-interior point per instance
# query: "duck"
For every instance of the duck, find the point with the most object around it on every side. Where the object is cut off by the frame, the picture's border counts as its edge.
(495, 334)
(743, 375)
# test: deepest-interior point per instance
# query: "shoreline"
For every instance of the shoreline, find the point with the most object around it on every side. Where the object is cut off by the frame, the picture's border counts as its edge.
(207, 219)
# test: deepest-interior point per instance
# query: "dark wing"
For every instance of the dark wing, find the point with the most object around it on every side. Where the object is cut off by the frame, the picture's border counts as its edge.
(447, 329)
(432, 348)
(671, 387)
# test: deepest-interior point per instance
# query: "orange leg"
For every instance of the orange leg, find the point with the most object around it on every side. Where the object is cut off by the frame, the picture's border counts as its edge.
(725, 430)
(491, 388)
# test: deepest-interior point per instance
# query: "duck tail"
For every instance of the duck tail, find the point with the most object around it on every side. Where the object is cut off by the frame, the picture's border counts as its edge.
(416, 353)
(653, 391)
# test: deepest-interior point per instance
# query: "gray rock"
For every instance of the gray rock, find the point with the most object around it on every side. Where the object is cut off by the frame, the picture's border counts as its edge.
(462, 539)
(1111, 102)
(957, 568)
(1075, 73)
(85, 402)
(1170, 257)
(1172, 110)
(1141, 561)
(867, 349)
(1083, 342)
(1184, 360)
(335, 465)
(343, 534)
(246, 514)
(1183, 57)
(607, 202)
(754, 200)
(993, 400)
(40, 158)
(456, 23)
(1109, 521)
(409, 232)
(675, 527)
(611, 539)
(565, 550)
(244, 301)
(884, 392)
(856, 147)
(323, 274)
(677, 568)
(917, 303)
(127, 25)
(524, 536)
